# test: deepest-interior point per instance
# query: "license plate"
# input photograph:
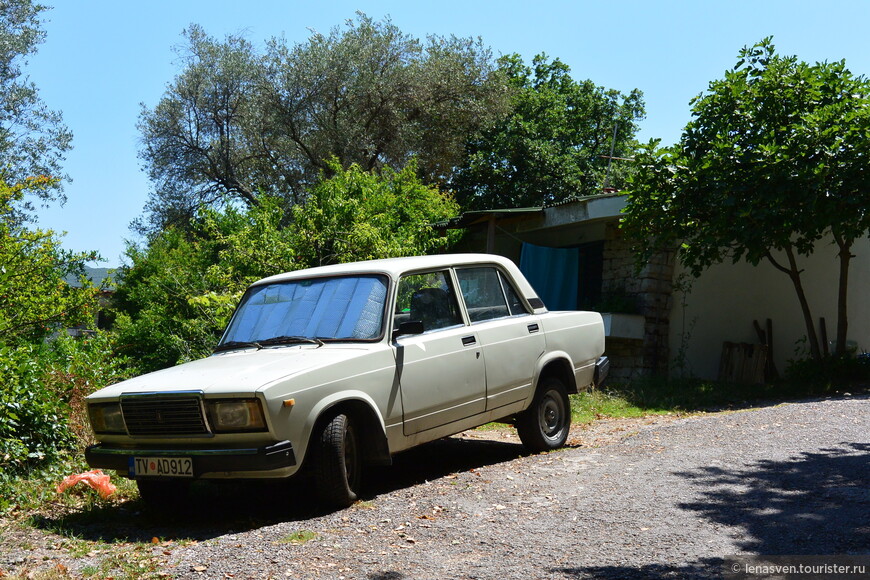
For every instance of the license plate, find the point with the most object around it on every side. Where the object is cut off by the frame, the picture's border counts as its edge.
(161, 466)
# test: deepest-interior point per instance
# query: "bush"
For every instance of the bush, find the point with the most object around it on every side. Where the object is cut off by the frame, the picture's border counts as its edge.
(76, 368)
(42, 411)
(829, 373)
(32, 418)
(177, 294)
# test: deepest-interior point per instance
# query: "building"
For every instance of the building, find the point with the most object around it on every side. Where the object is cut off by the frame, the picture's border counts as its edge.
(659, 319)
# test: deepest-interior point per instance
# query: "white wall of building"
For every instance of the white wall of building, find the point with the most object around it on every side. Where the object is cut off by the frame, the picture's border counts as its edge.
(727, 297)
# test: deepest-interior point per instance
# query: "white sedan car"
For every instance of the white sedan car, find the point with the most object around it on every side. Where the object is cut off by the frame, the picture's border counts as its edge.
(332, 368)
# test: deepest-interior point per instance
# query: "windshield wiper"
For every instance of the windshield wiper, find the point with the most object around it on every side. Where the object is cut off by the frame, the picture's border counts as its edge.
(291, 340)
(233, 344)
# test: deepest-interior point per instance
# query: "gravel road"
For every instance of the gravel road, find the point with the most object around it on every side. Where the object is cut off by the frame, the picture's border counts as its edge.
(651, 498)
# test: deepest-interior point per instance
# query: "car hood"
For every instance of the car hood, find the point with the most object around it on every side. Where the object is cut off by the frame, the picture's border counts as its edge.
(247, 370)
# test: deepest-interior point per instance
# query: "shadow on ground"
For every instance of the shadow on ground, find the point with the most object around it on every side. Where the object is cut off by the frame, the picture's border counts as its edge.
(810, 504)
(813, 503)
(215, 509)
(697, 571)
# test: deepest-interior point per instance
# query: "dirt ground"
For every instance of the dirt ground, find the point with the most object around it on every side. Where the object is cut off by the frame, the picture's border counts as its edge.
(654, 497)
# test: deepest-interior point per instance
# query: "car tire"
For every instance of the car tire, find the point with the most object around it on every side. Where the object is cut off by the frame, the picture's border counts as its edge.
(338, 462)
(164, 495)
(545, 424)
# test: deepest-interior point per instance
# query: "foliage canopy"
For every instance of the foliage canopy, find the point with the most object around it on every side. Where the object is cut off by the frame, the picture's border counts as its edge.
(178, 293)
(237, 124)
(358, 215)
(555, 144)
(33, 139)
(35, 297)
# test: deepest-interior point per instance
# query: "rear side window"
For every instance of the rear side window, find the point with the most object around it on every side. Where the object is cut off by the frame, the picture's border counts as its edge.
(488, 294)
(515, 304)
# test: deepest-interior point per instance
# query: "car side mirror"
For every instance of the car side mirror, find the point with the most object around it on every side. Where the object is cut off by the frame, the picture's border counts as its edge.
(408, 327)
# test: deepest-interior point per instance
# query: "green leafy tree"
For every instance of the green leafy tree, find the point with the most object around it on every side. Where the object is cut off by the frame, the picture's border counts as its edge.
(178, 293)
(41, 381)
(555, 144)
(33, 139)
(774, 159)
(359, 215)
(236, 124)
(35, 298)
(200, 143)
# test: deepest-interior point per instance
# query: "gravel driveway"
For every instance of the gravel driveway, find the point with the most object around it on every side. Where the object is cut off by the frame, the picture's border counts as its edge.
(652, 498)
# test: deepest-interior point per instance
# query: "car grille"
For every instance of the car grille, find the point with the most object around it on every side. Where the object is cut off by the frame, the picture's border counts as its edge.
(166, 416)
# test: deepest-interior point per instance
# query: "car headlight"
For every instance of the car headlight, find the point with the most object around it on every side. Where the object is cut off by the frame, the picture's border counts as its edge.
(106, 418)
(227, 415)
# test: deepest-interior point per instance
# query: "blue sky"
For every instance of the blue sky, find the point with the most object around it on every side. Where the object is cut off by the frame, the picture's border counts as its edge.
(103, 58)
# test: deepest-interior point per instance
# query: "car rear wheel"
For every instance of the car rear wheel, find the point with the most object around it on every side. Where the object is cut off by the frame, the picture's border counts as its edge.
(338, 462)
(545, 424)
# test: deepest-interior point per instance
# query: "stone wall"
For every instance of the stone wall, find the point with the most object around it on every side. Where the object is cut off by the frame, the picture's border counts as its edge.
(650, 291)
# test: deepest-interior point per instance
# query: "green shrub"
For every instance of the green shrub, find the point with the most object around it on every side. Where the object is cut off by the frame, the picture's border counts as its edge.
(830, 373)
(78, 367)
(32, 417)
(42, 391)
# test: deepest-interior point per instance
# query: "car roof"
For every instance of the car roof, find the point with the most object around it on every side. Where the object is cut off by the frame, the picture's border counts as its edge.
(396, 267)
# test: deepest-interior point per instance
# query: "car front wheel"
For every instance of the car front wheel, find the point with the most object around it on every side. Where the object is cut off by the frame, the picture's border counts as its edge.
(545, 424)
(338, 462)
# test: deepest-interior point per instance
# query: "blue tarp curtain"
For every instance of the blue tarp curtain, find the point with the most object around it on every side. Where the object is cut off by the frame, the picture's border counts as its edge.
(553, 272)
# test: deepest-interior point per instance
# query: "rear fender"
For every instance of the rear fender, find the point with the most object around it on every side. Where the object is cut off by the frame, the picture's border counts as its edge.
(556, 363)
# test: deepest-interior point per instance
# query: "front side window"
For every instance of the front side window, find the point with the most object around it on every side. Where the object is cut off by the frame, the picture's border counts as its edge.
(428, 298)
(487, 294)
(336, 308)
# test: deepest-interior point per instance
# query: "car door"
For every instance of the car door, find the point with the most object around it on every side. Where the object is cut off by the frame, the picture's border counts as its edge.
(510, 336)
(441, 371)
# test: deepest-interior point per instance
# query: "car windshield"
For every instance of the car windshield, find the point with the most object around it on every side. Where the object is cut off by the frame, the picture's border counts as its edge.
(309, 311)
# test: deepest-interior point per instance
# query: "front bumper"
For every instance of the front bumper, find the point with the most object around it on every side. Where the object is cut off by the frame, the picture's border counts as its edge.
(270, 458)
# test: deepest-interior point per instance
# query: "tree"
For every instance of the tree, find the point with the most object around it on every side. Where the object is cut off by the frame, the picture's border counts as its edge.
(556, 143)
(178, 293)
(35, 298)
(33, 139)
(774, 159)
(200, 143)
(236, 125)
(359, 215)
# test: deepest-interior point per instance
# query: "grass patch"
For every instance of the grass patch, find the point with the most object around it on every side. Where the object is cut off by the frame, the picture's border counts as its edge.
(298, 537)
(590, 406)
(35, 490)
(654, 397)
(661, 396)
(58, 572)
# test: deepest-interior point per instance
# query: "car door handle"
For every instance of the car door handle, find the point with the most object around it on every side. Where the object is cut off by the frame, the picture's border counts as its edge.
(468, 340)
(533, 328)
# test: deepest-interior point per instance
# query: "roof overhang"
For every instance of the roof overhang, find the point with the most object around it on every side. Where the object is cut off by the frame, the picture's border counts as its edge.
(570, 222)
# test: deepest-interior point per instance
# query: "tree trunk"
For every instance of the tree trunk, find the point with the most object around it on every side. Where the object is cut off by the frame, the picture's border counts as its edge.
(845, 256)
(795, 275)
